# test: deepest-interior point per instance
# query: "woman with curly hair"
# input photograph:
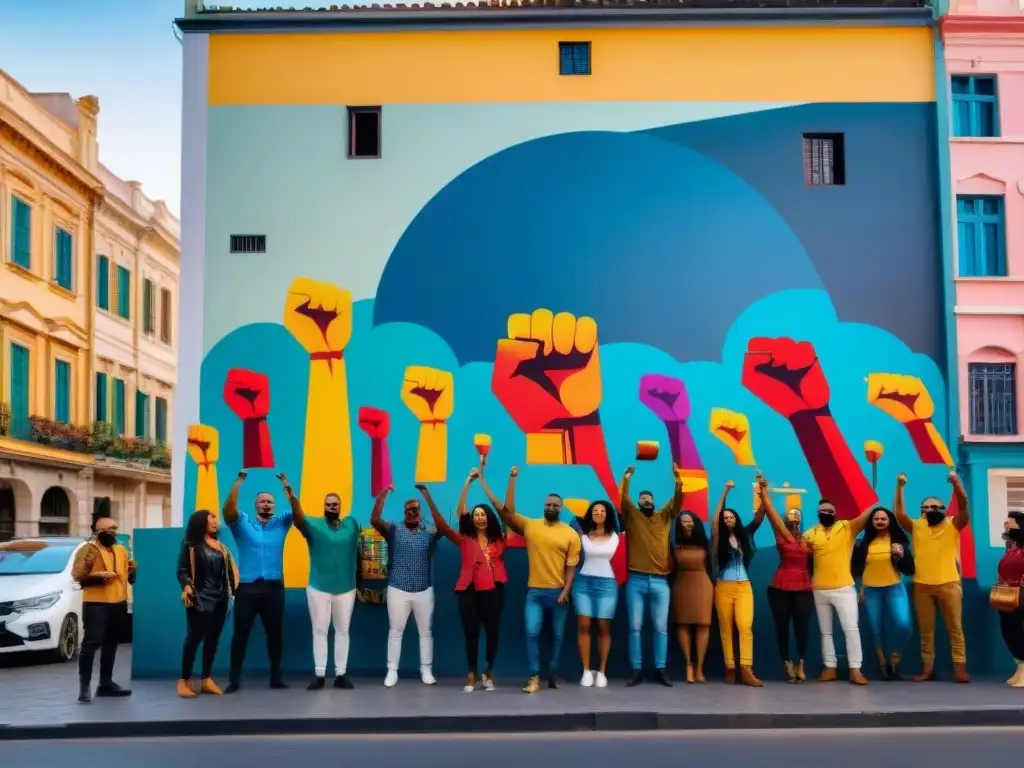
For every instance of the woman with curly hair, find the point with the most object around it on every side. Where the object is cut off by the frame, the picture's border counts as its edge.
(595, 592)
(481, 585)
(693, 593)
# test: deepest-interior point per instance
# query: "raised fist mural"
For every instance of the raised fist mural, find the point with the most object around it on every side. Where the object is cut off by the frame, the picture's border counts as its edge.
(247, 394)
(429, 394)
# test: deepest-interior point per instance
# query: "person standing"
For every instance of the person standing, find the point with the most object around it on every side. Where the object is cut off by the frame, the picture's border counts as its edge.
(693, 593)
(936, 540)
(649, 562)
(595, 592)
(208, 577)
(410, 591)
(831, 542)
(552, 551)
(261, 578)
(104, 570)
(1006, 596)
(334, 574)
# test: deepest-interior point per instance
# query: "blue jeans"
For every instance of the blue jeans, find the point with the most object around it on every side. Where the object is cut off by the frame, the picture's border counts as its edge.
(541, 604)
(888, 610)
(641, 588)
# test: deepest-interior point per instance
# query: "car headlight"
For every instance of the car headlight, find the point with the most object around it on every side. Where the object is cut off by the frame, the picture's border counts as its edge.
(40, 603)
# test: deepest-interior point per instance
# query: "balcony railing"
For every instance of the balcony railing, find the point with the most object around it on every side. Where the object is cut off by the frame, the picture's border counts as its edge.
(99, 440)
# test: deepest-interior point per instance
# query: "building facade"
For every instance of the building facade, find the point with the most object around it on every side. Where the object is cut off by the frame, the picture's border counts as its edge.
(984, 53)
(71, 444)
(640, 224)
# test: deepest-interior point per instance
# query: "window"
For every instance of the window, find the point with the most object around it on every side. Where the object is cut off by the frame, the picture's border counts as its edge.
(20, 358)
(980, 236)
(118, 425)
(7, 505)
(103, 282)
(364, 137)
(160, 427)
(248, 243)
(124, 292)
(824, 160)
(975, 106)
(63, 258)
(62, 391)
(165, 315)
(21, 233)
(574, 58)
(992, 389)
(55, 513)
(141, 414)
(101, 397)
(148, 307)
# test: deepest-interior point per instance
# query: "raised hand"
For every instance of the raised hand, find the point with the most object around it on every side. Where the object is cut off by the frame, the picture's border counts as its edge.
(901, 480)
(203, 444)
(319, 316)
(474, 473)
(377, 424)
(429, 393)
(733, 429)
(247, 394)
(786, 375)
(906, 399)
(729, 484)
(514, 472)
(665, 396)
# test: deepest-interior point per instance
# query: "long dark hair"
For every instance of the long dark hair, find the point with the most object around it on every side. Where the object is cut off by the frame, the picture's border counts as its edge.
(467, 529)
(699, 536)
(896, 536)
(611, 519)
(746, 546)
(195, 528)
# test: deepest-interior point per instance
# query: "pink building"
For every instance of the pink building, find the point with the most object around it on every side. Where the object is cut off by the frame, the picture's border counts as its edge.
(984, 51)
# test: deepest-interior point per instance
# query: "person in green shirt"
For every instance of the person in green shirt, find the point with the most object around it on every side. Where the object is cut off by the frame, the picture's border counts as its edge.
(334, 571)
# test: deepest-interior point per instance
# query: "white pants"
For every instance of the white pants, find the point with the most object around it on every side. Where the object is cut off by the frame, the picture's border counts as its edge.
(844, 602)
(325, 609)
(421, 606)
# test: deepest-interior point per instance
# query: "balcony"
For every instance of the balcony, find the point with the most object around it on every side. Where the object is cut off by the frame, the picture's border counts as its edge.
(98, 443)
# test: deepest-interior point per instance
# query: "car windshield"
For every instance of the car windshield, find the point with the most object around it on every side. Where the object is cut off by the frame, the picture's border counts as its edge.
(26, 558)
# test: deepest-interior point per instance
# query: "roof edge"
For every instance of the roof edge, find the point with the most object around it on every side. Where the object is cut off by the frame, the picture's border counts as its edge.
(326, 21)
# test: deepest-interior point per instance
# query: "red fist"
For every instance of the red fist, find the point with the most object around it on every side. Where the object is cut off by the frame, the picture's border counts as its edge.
(375, 422)
(247, 394)
(786, 375)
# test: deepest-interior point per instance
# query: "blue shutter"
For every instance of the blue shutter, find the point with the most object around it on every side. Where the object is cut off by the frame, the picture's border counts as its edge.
(103, 282)
(141, 414)
(161, 420)
(21, 233)
(101, 397)
(63, 259)
(981, 236)
(19, 390)
(62, 392)
(975, 106)
(124, 292)
(574, 58)
(118, 407)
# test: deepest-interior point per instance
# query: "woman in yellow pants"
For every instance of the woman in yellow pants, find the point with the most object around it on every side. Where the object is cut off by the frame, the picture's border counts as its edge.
(733, 547)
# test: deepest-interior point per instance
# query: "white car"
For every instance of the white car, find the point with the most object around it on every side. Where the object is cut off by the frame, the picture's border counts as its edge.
(40, 604)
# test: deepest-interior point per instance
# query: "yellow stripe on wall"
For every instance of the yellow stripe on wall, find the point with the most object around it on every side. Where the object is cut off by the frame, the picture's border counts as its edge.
(801, 64)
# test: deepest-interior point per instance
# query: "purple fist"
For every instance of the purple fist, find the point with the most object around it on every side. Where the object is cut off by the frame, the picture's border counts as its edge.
(665, 396)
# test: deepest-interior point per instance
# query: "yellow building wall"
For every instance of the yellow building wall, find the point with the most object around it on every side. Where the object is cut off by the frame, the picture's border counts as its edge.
(798, 64)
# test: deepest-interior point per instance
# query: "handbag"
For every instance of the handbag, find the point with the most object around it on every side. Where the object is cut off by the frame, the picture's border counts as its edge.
(1004, 598)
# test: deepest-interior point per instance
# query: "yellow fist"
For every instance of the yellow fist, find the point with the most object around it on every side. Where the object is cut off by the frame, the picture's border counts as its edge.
(319, 316)
(429, 393)
(733, 429)
(905, 398)
(203, 444)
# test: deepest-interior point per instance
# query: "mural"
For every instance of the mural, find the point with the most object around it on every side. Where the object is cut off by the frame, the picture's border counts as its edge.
(589, 294)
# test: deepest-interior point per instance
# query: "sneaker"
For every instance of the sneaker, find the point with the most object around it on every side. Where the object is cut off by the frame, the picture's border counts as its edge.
(635, 679)
(470, 685)
(588, 679)
(427, 675)
(342, 681)
(391, 680)
(554, 682)
(532, 685)
(112, 690)
(600, 681)
(316, 684)
(488, 683)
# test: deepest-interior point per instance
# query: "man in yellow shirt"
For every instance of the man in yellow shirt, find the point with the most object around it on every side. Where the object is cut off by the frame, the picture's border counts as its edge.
(832, 542)
(936, 540)
(553, 551)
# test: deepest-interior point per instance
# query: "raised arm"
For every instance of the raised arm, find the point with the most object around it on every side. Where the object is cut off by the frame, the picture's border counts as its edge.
(719, 508)
(963, 514)
(507, 511)
(460, 510)
(899, 505)
(230, 511)
(626, 505)
(778, 524)
(298, 516)
(675, 505)
(378, 509)
(439, 522)
(860, 522)
(759, 514)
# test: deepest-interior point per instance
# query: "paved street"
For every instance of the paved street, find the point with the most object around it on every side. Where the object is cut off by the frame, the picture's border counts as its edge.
(880, 748)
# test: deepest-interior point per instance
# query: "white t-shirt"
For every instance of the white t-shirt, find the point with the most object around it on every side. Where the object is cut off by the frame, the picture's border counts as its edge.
(597, 556)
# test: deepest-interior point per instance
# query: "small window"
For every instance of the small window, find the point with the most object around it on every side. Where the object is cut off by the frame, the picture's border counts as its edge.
(364, 136)
(165, 315)
(992, 389)
(574, 58)
(248, 243)
(148, 308)
(824, 160)
(975, 106)
(980, 236)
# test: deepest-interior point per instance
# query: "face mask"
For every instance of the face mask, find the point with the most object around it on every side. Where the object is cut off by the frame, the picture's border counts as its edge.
(826, 518)
(934, 517)
(106, 538)
(332, 515)
(551, 517)
(1016, 535)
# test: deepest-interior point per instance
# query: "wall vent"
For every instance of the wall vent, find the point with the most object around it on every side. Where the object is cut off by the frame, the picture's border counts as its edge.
(248, 243)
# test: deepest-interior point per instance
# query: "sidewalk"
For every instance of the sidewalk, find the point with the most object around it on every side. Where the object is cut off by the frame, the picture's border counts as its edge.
(39, 702)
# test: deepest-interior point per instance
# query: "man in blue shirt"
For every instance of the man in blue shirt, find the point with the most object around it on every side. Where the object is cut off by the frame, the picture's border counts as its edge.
(260, 542)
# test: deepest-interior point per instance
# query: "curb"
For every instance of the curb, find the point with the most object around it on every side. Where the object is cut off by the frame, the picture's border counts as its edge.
(541, 723)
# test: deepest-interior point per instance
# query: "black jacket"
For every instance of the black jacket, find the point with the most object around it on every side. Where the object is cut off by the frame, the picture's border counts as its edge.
(904, 563)
(213, 581)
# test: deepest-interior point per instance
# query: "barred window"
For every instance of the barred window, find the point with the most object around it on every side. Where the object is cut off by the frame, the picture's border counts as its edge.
(992, 389)
(824, 160)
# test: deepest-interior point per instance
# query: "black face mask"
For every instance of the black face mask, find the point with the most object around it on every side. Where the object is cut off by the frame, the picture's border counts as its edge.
(264, 516)
(826, 518)
(551, 517)
(106, 538)
(934, 517)
(1016, 535)
(332, 515)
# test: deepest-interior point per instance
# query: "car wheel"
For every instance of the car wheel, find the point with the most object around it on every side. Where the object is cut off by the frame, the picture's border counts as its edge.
(67, 641)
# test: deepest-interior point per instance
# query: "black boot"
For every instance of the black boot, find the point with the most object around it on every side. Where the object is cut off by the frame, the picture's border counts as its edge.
(278, 684)
(233, 685)
(661, 676)
(112, 690)
(342, 681)
(84, 693)
(316, 684)
(554, 682)
(635, 679)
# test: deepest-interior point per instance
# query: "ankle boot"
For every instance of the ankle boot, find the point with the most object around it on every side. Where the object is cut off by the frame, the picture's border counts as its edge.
(960, 674)
(828, 675)
(186, 689)
(84, 693)
(748, 678)
(857, 677)
(927, 673)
